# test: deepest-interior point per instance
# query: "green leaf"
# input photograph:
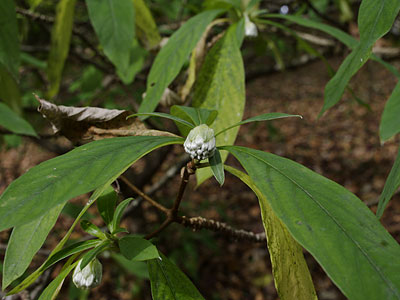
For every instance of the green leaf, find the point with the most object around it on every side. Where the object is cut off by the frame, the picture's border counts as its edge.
(291, 275)
(374, 20)
(197, 115)
(60, 42)
(220, 86)
(119, 211)
(193, 115)
(169, 283)
(106, 204)
(113, 22)
(79, 171)
(11, 121)
(391, 185)
(9, 43)
(9, 91)
(342, 36)
(137, 268)
(146, 28)
(263, 117)
(24, 242)
(172, 56)
(217, 167)
(92, 254)
(52, 290)
(137, 58)
(137, 248)
(70, 250)
(330, 222)
(390, 122)
(93, 229)
(35, 275)
(166, 116)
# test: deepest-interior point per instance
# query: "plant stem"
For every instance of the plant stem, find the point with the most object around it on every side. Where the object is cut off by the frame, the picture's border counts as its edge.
(144, 196)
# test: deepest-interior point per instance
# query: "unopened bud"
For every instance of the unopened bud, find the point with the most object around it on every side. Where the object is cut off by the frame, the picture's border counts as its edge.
(88, 277)
(250, 29)
(200, 142)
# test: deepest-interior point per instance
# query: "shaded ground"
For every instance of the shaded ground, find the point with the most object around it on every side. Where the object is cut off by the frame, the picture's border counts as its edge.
(343, 146)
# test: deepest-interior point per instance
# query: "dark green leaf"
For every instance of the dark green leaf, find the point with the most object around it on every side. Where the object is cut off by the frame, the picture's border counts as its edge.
(70, 250)
(220, 86)
(11, 121)
(93, 229)
(119, 211)
(92, 254)
(137, 248)
(197, 115)
(163, 115)
(263, 117)
(390, 122)
(342, 36)
(52, 290)
(343, 235)
(291, 275)
(391, 185)
(169, 283)
(172, 56)
(106, 204)
(374, 20)
(9, 43)
(80, 171)
(60, 41)
(113, 22)
(217, 167)
(24, 242)
(9, 91)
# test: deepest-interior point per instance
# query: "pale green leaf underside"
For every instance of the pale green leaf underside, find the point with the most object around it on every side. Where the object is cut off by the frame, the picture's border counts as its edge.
(291, 275)
(343, 235)
(80, 171)
(220, 86)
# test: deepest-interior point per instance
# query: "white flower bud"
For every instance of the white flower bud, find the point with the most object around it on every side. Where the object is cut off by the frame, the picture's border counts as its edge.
(90, 276)
(250, 29)
(200, 142)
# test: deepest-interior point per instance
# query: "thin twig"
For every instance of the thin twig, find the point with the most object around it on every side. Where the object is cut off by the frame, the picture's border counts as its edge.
(216, 226)
(143, 195)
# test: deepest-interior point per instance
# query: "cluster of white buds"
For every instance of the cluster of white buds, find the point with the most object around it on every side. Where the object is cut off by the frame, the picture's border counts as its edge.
(250, 29)
(200, 142)
(88, 277)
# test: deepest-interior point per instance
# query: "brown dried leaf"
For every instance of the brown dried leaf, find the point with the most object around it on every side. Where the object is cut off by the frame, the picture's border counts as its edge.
(85, 124)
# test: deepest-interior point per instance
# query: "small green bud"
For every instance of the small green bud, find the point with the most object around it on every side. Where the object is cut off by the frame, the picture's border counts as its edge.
(90, 276)
(250, 29)
(200, 142)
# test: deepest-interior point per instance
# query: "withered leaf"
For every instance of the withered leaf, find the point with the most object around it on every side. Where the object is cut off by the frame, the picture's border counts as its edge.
(86, 124)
